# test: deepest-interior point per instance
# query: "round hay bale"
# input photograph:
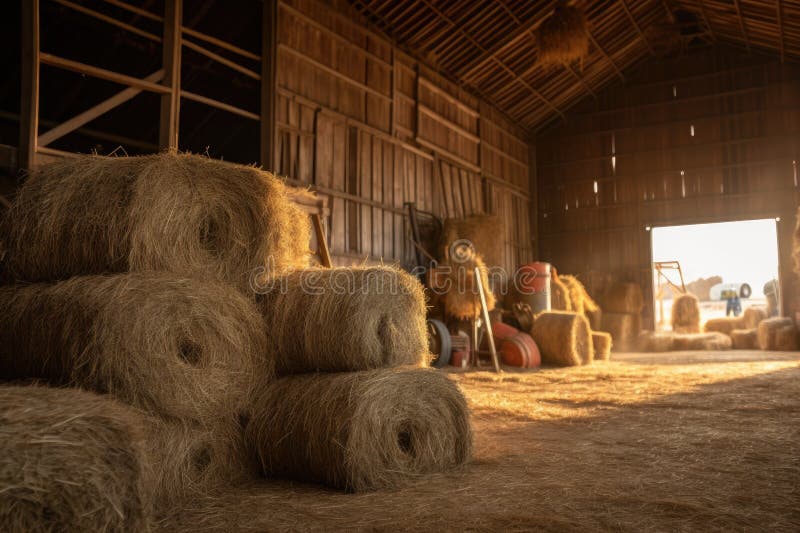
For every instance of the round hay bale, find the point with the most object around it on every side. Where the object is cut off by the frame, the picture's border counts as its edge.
(786, 338)
(623, 327)
(656, 341)
(344, 319)
(624, 298)
(361, 430)
(601, 343)
(753, 316)
(182, 213)
(724, 324)
(563, 37)
(483, 231)
(686, 314)
(180, 348)
(767, 330)
(462, 299)
(70, 461)
(563, 338)
(714, 340)
(744, 339)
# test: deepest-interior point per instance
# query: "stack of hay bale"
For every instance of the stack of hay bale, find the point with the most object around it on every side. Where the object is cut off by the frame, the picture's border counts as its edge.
(621, 313)
(134, 279)
(565, 335)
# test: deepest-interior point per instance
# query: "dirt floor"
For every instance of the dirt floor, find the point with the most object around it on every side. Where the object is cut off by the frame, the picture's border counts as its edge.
(668, 442)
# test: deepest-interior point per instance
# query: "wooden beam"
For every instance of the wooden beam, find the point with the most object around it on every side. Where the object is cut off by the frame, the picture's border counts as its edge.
(29, 96)
(741, 24)
(108, 19)
(92, 113)
(605, 54)
(706, 20)
(636, 25)
(220, 105)
(781, 42)
(103, 74)
(171, 101)
(222, 60)
(500, 63)
(269, 83)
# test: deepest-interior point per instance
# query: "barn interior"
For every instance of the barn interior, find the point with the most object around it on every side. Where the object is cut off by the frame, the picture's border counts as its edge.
(399, 265)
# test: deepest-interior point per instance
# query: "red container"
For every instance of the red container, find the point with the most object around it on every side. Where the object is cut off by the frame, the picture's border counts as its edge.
(502, 331)
(460, 359)
(533, 278)
(520, 351)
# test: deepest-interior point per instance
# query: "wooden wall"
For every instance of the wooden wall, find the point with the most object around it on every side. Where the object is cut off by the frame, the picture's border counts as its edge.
(709, 137)
(371, 128)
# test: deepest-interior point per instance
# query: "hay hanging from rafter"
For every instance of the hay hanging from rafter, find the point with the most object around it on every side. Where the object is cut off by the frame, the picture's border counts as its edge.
(564, 36)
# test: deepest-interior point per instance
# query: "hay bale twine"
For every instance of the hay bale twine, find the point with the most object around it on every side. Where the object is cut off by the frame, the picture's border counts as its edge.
(753, 316)
(182, 213)
(361, 430)
(714, 340)
(179, 348)
(563, 338)
(656, 341)
(623, 327)
(462, 300)
(345, 319)
(601, 343)
(686, 314)
(70, 461)
(744, 339)
(483, 231)
(724, 324)
(624, 298)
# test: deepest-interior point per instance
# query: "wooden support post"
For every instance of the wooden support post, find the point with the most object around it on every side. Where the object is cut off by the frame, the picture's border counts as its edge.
(170, 103)
(322, 241)
(269, 60)
(29, 104)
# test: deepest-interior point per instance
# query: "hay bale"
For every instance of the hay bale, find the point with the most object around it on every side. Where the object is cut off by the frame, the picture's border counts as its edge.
(563, 338)
(786, 338)
(656, 341)
(344, 319)
(70, 461)
(559, 293)
(180, 348)
(767, 330)
(753, 316)
(601, 343)
(623, 327)
(563, 37)
(724, 324)
(182, 213)
(624, 298)
(580, 301)
(744, 339)
(361, 430)
(686, 314)
(461, 299)
(483, 231)
(701, 341)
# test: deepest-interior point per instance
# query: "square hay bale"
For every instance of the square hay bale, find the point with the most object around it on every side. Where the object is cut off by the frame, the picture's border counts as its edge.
(702, 341)
(656, 341)
(686, 314)
(601, 341)
(724, 324)
(745, 339)
(623, 327)
(768, 333)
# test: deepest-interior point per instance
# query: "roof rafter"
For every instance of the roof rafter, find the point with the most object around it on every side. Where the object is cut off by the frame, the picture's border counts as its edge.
(707, 21)
(741, 24)
(500, 63)
(636, 25)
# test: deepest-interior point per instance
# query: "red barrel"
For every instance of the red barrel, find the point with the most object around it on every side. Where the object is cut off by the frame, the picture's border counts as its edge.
(502, 331)
(532, 286)
(520, 351)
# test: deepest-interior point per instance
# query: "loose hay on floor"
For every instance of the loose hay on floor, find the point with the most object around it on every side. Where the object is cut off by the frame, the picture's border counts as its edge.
(182, 213)
(70, 461)
(379, 320)
(563, 338)
(180, 348)
(361, 430)
(626, 446)
(686, 314)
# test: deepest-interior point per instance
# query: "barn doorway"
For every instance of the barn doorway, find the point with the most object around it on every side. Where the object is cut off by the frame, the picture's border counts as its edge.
(717, 261)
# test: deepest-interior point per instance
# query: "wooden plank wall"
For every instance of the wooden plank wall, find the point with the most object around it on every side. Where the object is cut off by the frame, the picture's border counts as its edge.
(372, 128)
(708, 137)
